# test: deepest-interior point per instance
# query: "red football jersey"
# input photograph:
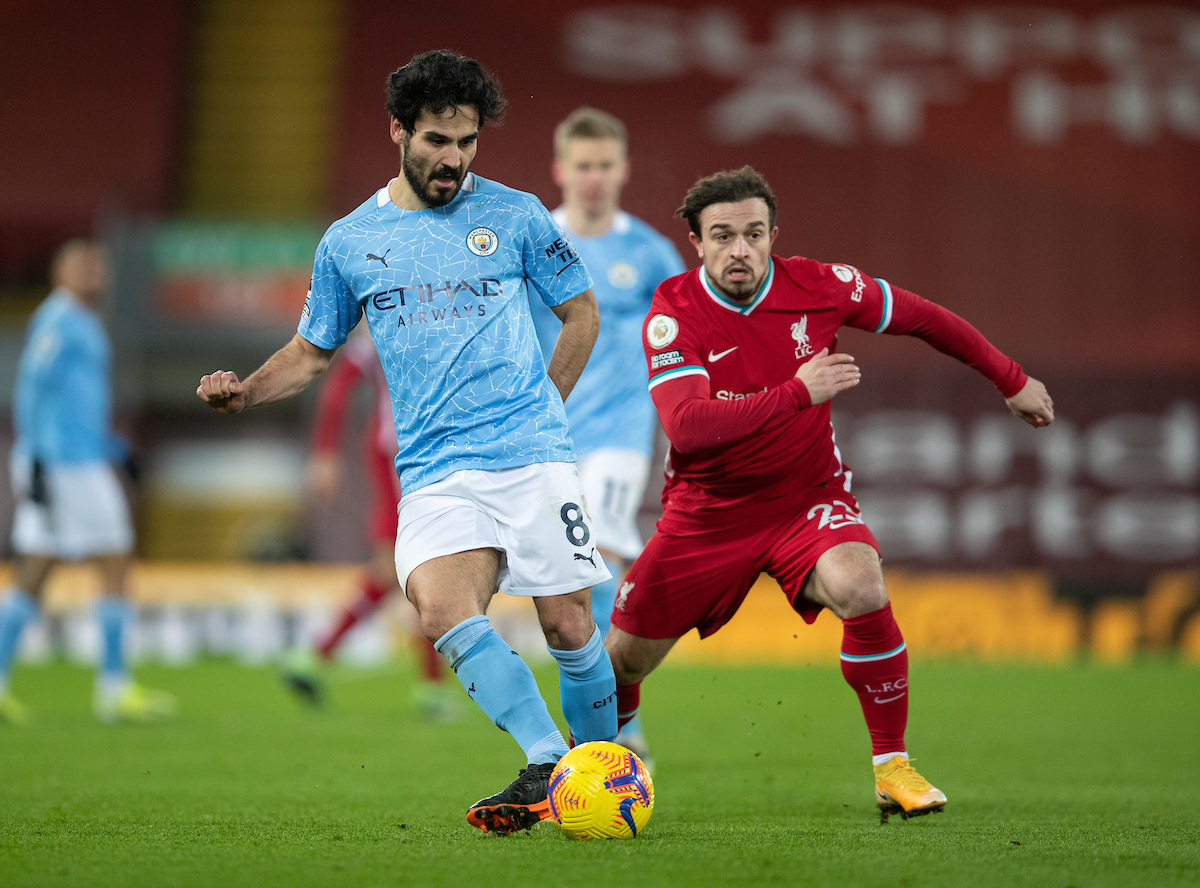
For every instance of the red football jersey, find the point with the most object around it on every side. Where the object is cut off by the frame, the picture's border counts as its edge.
(741, 427)
(356, 363)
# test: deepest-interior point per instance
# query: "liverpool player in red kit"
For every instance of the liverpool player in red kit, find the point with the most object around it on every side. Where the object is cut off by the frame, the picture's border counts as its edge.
(301, 669)
(743, 365)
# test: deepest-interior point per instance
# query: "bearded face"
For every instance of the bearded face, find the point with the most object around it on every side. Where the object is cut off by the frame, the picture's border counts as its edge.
(436, 156)
(432, 180)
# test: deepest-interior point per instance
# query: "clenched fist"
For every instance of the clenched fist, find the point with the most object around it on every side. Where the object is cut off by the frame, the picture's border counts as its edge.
(223, 392)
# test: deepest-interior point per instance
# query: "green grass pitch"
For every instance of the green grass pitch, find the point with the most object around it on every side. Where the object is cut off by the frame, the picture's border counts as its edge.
(1071, 776)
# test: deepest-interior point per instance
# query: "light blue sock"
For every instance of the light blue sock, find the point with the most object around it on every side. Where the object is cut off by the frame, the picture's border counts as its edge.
(603, 596)
(17, 609)
(112, 613)
(588, 690)
(498, 680)
(633, 727)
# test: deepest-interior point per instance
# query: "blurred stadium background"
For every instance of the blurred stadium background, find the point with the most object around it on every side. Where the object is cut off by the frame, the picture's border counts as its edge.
(1036, 169)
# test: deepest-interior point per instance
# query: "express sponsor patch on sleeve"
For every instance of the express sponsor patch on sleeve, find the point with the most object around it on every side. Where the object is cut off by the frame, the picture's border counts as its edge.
(848, 273)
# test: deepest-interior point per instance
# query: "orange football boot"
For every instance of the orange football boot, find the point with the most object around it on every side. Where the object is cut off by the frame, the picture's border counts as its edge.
(899, 789)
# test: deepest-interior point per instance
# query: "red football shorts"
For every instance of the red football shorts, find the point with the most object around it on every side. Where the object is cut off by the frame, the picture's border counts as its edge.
(695, 572)
(385, 486)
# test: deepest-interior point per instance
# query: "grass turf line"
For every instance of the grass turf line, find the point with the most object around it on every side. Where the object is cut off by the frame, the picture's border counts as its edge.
(1077, 775)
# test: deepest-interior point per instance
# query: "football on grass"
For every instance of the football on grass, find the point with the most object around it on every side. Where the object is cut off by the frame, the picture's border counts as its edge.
(601, 790)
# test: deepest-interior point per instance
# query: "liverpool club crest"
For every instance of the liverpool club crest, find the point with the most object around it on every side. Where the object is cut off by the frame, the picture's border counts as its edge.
(800, 334)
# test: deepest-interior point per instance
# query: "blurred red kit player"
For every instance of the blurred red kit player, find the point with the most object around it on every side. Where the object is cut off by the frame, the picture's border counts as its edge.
(357, 364)
(743, 364)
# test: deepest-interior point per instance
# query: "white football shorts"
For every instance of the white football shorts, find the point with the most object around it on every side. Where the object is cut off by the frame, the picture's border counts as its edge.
(614, 482)
(86, 514)
(535, 515)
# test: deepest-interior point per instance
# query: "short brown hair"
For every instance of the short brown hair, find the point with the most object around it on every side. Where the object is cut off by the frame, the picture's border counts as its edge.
(588, 123)
(727, 186)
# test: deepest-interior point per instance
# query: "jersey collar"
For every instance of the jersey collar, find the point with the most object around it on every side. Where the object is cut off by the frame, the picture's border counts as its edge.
(726, 302)
(621, 223)
(382, 198)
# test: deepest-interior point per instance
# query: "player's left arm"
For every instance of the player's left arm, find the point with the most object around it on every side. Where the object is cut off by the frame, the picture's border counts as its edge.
(580, 316)
(557, 274)
(901, 312)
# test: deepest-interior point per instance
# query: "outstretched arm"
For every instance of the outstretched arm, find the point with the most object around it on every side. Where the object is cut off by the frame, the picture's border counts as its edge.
(580, 318)
(954, 336)
(285, 374)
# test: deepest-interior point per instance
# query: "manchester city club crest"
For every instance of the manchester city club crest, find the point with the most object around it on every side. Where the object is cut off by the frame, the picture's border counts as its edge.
(622, 275)
(482, 241)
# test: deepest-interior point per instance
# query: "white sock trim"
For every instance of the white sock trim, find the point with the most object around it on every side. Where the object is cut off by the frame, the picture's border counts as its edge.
(550, 745)
(885, 757)
(871, 658)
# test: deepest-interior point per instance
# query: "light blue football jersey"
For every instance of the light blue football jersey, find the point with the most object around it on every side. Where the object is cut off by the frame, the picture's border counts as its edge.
(62, 401)
(610, 405)
(446, 294)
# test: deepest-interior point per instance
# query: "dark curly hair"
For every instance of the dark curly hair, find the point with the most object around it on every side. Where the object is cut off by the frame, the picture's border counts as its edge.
(439, 79)
(727, 186)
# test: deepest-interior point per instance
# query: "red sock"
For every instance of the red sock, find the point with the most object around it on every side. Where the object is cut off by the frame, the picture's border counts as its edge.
(371, 595)
(629, 697)
(431, 660)
(875, 664)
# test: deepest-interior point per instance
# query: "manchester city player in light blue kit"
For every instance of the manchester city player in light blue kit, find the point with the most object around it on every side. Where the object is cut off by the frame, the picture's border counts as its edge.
(69, 502)
(610, 414)
(442, 262)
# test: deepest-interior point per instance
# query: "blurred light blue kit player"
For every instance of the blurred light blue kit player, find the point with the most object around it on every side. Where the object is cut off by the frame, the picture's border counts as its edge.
(442, 263)
(70, 505)
(610, 413)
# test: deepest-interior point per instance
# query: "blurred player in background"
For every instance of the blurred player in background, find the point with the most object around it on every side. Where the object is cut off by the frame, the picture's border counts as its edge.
(743, 365)
(440, 261)
(358, 365)
(610, 413)
(70, 505)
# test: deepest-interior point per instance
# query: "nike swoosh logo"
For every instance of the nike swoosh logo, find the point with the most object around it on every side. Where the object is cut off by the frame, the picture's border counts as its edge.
(888, 699)
(715, 356)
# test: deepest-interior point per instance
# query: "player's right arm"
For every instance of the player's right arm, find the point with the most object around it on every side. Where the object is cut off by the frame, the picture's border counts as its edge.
(330, 312)
(35, 395)
(825, 374)
(693, 419)
(285, 374)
